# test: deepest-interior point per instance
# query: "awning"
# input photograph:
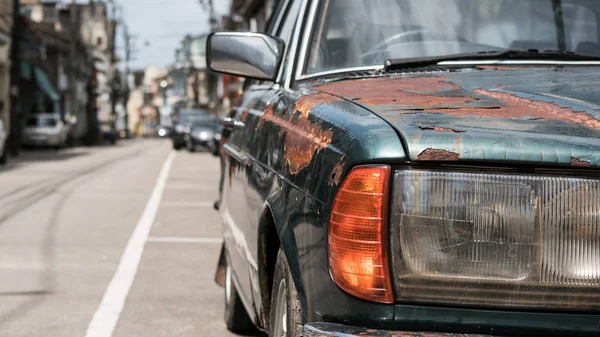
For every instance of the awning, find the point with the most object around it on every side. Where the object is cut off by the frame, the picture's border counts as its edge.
(45, 85)
(26, 71)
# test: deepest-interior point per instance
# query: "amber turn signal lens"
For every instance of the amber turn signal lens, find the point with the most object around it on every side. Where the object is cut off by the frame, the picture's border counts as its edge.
(358, 259)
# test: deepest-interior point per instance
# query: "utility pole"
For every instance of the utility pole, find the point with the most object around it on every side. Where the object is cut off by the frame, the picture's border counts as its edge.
(214, 24)
(73, 64)
(127, 39)
(14, 144)
(113, 62)
(92, 111)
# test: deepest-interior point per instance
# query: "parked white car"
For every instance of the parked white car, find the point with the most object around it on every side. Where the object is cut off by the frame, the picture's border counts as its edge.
(45, 130)
(3, 141)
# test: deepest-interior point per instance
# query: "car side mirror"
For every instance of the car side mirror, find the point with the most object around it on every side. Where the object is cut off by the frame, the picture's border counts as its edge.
(251, 55)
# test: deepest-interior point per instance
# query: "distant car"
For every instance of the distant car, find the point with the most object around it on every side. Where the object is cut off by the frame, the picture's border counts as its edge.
(45, 130)
(3, 141)
(182, 119)
(201, 133)
(109, 133)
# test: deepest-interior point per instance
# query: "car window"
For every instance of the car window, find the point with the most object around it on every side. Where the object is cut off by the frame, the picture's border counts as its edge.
(41, 121)
(354, 33)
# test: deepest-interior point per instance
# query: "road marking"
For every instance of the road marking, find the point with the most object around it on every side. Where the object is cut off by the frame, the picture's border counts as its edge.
(184, 240)
(107, 315)
(187, 204)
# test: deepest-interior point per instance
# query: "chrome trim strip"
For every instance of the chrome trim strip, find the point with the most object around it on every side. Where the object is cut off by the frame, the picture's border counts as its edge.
(518, 62)
(286, 45)
(288, 80)
(306, 38)
(237, 155)
(337, 71)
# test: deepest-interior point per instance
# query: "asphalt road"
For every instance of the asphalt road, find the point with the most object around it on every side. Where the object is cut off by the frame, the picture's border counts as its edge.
(72, 224)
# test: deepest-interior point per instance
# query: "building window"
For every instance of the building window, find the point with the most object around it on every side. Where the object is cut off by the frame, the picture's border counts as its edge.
(99, 41)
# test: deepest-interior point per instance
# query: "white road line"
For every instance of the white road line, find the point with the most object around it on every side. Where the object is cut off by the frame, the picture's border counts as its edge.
(187, 204)
(184, 240)
(107, 315)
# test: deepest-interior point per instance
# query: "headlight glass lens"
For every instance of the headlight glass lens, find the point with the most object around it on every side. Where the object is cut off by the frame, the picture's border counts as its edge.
(498, 240)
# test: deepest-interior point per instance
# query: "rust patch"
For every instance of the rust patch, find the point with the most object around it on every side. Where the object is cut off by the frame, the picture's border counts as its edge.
(336, 173)
(518, 107)
(245, 114)
(421, 91)
(437, 155)
(303, 138)
(306, 103)
(440, 129)
(269, 111)
(502, 86)
(579, 163)
(491, 67)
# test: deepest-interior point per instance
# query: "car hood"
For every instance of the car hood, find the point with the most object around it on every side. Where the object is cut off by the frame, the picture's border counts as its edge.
(546, 116)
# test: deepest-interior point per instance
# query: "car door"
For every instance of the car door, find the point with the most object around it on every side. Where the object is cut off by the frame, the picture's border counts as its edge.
(263, 147)
(234, 211)
(242, 201)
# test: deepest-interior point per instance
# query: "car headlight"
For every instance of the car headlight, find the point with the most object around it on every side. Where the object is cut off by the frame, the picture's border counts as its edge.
(203, 135)
(179, 128)
(518, 241)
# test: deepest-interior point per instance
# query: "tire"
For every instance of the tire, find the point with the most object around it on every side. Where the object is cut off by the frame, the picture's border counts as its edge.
(176, 146)
(236, 316)
(4, 154)
(190, 147)
(285, 318)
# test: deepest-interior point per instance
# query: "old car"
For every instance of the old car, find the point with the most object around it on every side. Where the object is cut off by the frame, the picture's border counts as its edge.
(202, 133)
(45, 130)
(414, 168)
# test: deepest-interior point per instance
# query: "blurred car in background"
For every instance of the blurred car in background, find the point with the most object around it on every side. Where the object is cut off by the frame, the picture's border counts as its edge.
(3, 141)
(109, 133)
(45, 129)
(201, 133)
(182, 118)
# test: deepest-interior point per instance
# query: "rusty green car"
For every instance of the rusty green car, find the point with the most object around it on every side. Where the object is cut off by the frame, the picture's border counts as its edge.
(414, 168)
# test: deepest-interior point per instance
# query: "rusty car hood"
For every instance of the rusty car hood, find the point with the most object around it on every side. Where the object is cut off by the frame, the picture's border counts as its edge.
(546, 116)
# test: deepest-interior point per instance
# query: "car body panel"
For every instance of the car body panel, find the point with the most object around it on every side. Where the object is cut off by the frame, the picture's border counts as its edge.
(543, 116)
(295, 142)
(301, 143)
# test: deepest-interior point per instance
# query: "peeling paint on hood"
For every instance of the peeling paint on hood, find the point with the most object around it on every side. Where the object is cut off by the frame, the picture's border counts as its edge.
(520, 115)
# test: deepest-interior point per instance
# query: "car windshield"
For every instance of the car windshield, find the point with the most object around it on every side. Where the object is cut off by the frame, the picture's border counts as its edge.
(363, 33)
(41, 122)
(205, 121)
(190, 115)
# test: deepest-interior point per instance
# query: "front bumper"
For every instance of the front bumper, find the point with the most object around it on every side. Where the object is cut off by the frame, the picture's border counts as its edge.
(41, 141)
(340, 330)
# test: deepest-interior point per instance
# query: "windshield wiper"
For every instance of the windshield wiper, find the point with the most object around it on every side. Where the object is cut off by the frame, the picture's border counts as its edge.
(509, 54)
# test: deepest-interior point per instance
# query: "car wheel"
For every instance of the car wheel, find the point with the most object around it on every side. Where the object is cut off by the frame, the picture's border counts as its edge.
(236, 317)
(190, 147)
(176, 147)
(3, 155)
(286, 311)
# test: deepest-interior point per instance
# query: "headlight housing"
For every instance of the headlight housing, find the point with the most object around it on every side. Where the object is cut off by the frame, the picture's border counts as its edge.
(203, 135)
(518, 241)
(179, 128)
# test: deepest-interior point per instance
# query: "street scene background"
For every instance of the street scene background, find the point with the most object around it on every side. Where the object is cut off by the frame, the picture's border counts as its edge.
(106, 227)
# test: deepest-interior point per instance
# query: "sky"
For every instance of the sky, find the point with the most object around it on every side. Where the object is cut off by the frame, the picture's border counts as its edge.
(161, 24)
